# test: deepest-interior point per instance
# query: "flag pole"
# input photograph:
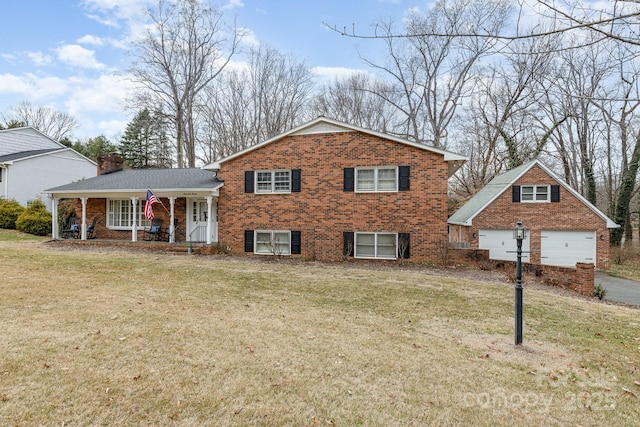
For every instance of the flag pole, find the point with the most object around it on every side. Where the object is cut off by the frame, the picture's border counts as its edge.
(160, 201)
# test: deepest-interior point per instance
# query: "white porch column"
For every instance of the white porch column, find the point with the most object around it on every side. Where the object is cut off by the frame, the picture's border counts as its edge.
(83, 232)
(54, 218)
(172, 227)
(134, 220)
(209, 205)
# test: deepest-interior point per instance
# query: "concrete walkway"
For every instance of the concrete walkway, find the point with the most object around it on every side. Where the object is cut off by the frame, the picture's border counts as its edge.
(620, 290)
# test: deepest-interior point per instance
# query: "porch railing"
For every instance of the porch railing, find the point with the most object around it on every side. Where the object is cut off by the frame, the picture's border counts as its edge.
(199, 233)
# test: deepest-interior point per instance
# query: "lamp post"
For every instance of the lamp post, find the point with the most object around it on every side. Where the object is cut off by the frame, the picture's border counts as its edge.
(519, 234)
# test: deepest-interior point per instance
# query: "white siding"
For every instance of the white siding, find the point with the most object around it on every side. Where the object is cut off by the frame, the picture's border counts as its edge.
(27, 179)
(24, 139)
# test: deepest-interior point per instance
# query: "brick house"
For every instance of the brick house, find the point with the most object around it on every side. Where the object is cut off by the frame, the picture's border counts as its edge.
(564, 228)
(326, 190)
(116, 198)
(323, 190)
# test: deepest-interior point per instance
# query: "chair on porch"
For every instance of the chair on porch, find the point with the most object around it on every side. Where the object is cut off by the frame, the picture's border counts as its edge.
(154, 231)
(72, 229)
(91, 228)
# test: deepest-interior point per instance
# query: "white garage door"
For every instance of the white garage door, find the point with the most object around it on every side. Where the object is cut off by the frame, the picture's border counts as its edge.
(565, 248)
(502, 245)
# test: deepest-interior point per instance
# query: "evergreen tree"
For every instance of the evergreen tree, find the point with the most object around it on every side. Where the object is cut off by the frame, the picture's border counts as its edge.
(144, 143)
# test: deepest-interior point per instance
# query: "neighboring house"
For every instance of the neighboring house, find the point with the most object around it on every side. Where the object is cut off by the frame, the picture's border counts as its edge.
(31, 161)
(324, 190)
(564, 228)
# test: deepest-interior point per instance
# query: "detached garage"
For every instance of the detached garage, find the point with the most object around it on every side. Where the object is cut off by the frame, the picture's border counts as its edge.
(564, 228)
(564, 248)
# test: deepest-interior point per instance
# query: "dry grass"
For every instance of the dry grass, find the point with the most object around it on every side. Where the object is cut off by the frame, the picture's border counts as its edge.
(107, 338)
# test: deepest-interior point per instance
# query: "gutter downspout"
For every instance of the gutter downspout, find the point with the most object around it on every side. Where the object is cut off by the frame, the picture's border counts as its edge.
(5, 178)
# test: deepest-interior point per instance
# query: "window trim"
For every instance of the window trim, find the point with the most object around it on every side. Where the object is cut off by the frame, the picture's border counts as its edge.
(140, 223)
(535, 193)
(376, 179)
(375, 245)
(272, 181)
(256, 242)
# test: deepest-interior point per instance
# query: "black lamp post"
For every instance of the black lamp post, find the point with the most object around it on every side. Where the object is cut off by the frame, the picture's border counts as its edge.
(519, 233)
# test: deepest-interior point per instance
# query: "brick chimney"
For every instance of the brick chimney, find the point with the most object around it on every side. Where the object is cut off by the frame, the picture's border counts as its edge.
(111, 162)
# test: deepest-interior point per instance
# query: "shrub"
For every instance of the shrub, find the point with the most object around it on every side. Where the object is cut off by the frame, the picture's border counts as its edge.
(599, 291)
(35, 219)
(10, 210)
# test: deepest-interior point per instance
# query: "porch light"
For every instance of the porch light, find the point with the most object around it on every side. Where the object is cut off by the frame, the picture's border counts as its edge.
(520, 232)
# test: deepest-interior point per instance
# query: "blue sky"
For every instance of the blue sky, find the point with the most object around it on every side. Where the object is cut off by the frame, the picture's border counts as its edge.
(71, 54)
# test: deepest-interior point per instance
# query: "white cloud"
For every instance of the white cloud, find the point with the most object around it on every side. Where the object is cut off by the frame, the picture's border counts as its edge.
(91, 40)
(78, 56)
(106, 94)
(39, 58)
(327, 75)
(32, 87)
(232, 4)
(249, 37)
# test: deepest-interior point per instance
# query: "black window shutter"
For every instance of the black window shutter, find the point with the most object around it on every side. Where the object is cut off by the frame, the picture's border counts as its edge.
(555, 193)
(347, 245)
(349, 179)
(248, 181)
(404, 245)
(403, 173)
(248, 240)
(295, 180)
(296, 242)
(515, 194)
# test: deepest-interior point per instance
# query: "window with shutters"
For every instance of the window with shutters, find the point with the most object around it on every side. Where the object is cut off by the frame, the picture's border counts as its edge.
(272, 181)
(273, 242)
(376, 245)
(269, 242)
(376, 179)
(534, 193)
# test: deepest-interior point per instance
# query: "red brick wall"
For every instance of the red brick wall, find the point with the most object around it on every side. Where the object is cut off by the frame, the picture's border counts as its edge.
(580, 279)
(568, 214)
(322, 211)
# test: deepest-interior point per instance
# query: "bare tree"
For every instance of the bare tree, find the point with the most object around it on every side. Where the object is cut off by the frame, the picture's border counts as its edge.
(359, 99)
(186, 48)
(249, 106)
(53, 123)
(434, 74)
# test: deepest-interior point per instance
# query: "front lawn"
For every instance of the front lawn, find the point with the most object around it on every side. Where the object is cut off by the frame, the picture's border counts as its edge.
(100, 337)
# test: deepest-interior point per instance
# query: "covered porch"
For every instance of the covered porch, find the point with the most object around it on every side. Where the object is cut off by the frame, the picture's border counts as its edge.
(115, 202)
(190, 219)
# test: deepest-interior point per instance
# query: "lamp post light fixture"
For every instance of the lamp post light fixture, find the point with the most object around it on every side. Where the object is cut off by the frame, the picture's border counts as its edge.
(519, 234)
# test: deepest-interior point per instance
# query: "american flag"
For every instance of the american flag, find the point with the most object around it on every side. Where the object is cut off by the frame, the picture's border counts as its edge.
(148, 206)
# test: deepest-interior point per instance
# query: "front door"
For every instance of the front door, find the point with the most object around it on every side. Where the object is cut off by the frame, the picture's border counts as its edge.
(197, 217)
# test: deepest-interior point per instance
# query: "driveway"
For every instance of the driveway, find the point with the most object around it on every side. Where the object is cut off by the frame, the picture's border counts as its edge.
(620, 290)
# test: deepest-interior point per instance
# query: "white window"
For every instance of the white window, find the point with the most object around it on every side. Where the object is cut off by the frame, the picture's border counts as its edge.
(120, 214)
(377, 179)
(270, 242)
(273, 181)
(376, 245)
(534, 193)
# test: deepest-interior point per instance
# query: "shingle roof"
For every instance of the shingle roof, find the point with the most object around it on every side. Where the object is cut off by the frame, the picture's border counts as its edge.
(142, 179)
(488, 193)
(25, 154)
(484, 197)
(326, 125)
